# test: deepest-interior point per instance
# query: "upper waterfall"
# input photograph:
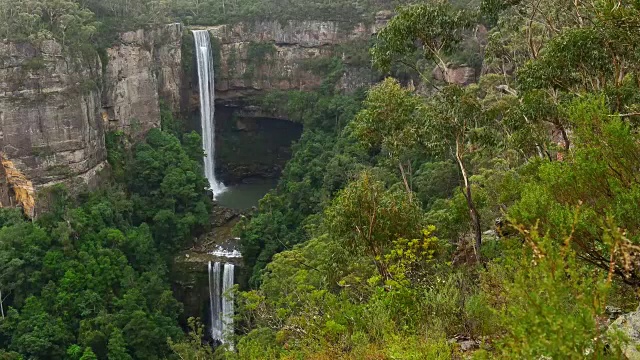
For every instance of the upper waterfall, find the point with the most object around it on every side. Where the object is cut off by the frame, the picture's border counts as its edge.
(207, 106)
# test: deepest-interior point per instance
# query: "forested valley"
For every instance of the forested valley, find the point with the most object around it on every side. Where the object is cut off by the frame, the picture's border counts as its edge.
(418, 218)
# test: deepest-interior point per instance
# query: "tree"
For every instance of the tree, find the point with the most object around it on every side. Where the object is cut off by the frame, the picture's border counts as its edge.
(192, 348)
(34, 20)
(169, 188)
(117, 349)
(88, 354)
(454, 124)
(36, 333)
(454, 114)
(369, 218)
(593, 193)
(437, 27)
(392, 121)
(446, 124)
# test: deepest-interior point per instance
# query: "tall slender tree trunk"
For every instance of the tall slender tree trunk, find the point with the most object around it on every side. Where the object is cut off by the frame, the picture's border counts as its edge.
(473, 212)
(1, 305)
(406, 183)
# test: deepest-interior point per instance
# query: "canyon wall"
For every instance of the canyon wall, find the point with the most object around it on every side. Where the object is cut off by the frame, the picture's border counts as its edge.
(50, 101)
(56, 105)
(262, 56)
(144, 69)
(254, 60)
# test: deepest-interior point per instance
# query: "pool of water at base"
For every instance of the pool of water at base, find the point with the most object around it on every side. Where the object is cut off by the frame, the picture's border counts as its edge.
(244, 196)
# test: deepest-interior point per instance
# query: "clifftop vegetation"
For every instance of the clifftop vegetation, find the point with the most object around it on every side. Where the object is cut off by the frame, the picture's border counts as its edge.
(81, 22)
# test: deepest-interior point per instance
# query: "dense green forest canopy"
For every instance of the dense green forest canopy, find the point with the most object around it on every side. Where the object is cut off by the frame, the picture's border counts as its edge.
(89, 278)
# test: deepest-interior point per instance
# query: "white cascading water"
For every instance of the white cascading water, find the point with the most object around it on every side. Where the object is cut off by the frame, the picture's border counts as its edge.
(207, 106)
(221, 301)
(214, 301)
(227, 302)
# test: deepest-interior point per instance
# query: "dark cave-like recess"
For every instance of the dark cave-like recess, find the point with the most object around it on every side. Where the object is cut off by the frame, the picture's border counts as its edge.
(252, 148)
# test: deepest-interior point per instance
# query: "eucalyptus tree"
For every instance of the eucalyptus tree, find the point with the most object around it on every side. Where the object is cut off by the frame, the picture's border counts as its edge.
(599, 56)
(421, 32)
(444, 124)
(391, 122)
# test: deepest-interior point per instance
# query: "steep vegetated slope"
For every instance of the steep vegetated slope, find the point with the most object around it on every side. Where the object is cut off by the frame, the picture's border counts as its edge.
(498, 217)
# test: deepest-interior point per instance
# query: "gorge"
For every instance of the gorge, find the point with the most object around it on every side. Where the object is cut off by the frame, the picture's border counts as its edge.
(57, 109)
(122, 91)
(319, 179)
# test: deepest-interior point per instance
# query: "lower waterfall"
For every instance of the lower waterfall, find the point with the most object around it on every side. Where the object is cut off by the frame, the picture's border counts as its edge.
(214, 301)
(221, 301)
(227, 303)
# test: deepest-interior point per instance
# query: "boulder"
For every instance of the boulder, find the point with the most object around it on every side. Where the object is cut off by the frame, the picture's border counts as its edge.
(452, 74)
(629, 326)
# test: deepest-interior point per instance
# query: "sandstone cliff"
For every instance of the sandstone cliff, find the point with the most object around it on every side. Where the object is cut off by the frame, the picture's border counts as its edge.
(15, 188)
(142, 70)
(263, 56)
(50, 125)
(56, 105)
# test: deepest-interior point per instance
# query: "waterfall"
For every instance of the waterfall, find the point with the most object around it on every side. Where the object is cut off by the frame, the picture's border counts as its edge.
(220, 302)
(207, 106)
(227, 301)
(214, 301)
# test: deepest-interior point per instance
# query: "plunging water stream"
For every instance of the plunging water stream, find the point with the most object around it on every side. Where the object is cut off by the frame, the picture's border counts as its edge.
(207, 106)
(214, 301)
(221, 301)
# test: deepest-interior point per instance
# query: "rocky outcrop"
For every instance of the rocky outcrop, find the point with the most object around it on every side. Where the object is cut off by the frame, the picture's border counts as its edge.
(629, 326)
(15, 188)
(452, 74)
(142, 70)
(55, 105)
(50, 127)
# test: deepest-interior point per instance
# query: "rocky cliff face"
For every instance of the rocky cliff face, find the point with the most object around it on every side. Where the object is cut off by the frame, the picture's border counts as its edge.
(263, 56)
(144, 69)
(255, 59)
(50, 126)
(55, 105)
